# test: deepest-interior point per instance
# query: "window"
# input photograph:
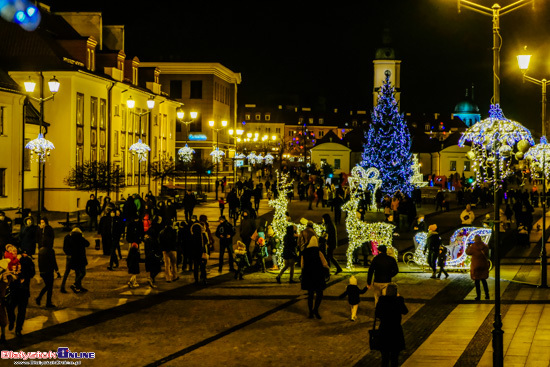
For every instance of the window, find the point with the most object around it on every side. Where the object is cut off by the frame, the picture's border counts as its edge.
(453, 166)
(267, 117)
(467, 166)
(290, 133)
(247, 117)
(321, 121)
(336, 163)
(323, 161)
(3, 181)
(26, 157)
(427, 127)
(2, 114)
(115, 143)
(79, 129)
(176, 89)
(258, 116)
(278, 130)
(321, 133)
(196, 89)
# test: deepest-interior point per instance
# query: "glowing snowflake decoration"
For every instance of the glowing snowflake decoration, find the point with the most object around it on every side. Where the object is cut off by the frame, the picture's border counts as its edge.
(217, 155)
(186, 154)
(40, 148)
(268, 159)
(251, 158)
(140, 149)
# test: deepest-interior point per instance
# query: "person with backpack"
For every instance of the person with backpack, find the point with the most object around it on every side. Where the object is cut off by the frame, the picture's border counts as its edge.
(432, 248)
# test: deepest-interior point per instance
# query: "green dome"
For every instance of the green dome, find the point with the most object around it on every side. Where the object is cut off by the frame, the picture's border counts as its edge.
(466, 106)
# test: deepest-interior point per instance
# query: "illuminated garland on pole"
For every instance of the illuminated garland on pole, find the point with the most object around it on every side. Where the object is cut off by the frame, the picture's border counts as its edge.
(360, 232)
(493, 141)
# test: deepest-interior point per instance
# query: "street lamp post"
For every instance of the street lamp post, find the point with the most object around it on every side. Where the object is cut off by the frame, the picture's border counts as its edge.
(186, 153)
(495, 12)
(216, 153)
(493, 141)
(140, 149)
(235, 134)
(523, 63)
(41, 147)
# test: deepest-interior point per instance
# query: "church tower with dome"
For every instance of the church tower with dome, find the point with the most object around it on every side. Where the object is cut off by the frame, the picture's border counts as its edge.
(467, 110)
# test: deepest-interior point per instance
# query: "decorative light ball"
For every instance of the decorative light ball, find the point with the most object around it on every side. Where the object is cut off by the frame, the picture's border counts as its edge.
(523, 146)
(505, 150)
(471, 155)
(520, 155)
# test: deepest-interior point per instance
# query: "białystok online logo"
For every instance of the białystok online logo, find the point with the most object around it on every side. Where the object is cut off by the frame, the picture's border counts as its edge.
(62, 353)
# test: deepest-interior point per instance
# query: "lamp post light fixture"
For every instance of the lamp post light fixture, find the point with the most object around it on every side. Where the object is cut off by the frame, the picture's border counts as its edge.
(40, 148)
(539, 156)
(217, 154)
(493, 140)
(140, 148)
(495, 12)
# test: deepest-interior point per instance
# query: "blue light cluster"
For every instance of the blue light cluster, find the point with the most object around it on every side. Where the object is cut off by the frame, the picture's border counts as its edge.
(22, 12)
(388, 144)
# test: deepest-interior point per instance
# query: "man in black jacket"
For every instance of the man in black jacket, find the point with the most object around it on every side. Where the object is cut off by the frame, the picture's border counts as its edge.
(383, 268)
(225, 233)
(168, 244)
(5, 231)
(74, 245)
(189, 202)
(92, 209)
(20, 293)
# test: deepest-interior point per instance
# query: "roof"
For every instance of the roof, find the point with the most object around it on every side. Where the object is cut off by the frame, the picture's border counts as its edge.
(6, 82)
(37, 50)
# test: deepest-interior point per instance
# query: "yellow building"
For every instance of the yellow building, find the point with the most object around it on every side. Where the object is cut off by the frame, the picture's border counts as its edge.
(88, 119)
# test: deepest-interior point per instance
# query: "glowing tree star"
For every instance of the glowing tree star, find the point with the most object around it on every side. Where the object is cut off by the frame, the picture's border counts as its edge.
(388, 143)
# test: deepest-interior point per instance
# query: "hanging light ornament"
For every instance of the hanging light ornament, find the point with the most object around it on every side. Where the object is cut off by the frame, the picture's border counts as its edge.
(217, 155)
(140, 149)
(251, 158)
(492, 142)
(539, 156)
(259, 158)
(40, 148)
(239, 158)
(186, 154)
(269, 159)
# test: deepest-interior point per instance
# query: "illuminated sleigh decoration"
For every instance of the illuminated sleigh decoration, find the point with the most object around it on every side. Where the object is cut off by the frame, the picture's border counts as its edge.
(456, 256)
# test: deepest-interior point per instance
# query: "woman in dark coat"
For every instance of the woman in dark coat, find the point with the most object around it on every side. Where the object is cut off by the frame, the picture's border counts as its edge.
(45, 235)
(332, 241)
(153, 255)
(27, 237)
(290, 242)
(134, 232)
(196, 250)
(479, 267)
(389, 310)
(314, 271)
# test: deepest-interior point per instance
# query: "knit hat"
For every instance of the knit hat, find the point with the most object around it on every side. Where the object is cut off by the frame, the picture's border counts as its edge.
(353, 280)
(432, 228)
(76, 229)
(135, 245)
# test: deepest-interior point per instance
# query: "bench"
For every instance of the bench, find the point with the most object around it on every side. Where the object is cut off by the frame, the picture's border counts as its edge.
(73, 219)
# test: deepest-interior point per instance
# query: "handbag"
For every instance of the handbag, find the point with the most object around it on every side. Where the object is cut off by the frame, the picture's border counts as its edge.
(374, 337)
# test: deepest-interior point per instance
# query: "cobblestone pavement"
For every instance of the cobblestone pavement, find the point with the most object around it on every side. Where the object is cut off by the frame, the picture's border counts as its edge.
(257, 322)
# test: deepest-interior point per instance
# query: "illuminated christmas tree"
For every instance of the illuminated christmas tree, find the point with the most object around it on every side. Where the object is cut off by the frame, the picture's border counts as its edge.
(388, 143)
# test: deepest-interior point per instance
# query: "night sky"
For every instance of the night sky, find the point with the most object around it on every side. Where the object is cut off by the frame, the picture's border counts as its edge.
(325, 53)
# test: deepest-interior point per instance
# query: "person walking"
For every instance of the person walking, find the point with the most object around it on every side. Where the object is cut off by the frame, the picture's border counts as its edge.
(314, 272)
(74, 246)
(93, 208)
(106, 229)
(27, 236)
(354, 296)
(432, 248)
(381, 271)
(290, 243)
(167, 240)
(199, 251)
(189, 202)
(132, 262)
(332, 241)
(246, 230)
(47, 265)
(45, 235)
(225, 233)
(479, 267)
(442, 260)
(19, 294)
(388, 310)
(6, 227)
(153, 254)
